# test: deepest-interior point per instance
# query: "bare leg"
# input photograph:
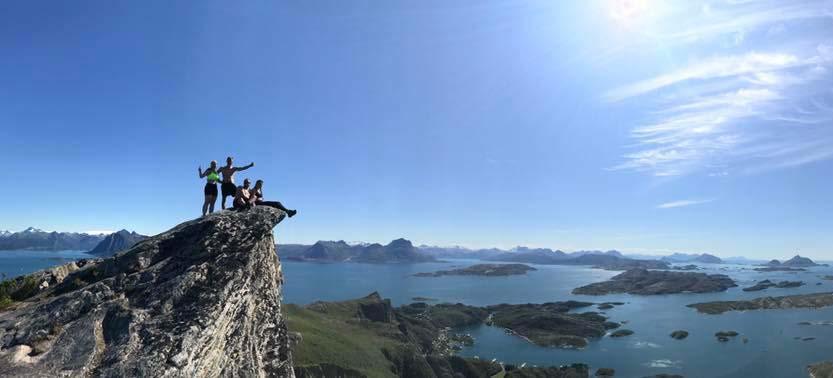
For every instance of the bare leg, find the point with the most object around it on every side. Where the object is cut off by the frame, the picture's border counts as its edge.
(223, 202)
(277, 205)
(211, 201)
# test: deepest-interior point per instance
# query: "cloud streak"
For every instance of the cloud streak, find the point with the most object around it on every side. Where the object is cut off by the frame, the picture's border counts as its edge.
(682, 203)
(744, 110)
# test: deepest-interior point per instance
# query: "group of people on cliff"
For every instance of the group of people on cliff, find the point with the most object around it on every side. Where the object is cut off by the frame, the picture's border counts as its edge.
(244, 196)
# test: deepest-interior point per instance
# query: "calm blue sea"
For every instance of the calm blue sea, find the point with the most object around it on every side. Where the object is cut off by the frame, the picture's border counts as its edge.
(15, 263)
(772, 349)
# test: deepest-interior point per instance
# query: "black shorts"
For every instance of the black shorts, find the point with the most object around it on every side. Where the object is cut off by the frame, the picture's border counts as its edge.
(229, 189)
(210, 189)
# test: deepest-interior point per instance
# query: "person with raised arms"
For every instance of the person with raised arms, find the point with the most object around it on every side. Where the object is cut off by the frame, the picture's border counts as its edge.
(210, 189)
(228, 188)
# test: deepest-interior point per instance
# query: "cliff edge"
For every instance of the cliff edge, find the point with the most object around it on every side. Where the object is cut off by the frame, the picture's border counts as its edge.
(202, 299)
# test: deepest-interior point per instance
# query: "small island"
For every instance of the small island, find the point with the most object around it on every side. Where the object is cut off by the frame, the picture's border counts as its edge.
(766, 284)
(679, 335)
(648, 282)
(817, 300)
(621, 333)
(688, 267)
(723, 336)
(780, 269)
(489, 270)
(796, 262)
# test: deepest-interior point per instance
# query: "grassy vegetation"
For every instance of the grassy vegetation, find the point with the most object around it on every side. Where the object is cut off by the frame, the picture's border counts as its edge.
(343, 339)
(336, 338)
(17, 289)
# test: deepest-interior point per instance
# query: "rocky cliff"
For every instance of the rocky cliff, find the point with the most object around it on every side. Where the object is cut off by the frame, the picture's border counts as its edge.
(202, 299)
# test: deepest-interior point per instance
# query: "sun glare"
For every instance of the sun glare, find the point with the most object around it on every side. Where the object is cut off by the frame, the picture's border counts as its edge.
(628, 13)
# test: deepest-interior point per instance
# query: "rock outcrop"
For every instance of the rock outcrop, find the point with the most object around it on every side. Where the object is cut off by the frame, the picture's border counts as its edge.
(202, 299)
(649, 282)
(679, 335)
(821, 370)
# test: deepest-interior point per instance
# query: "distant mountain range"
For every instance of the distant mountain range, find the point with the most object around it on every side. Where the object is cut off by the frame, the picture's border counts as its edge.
(35, 239)
(740, 260)
(397, 251)
(612, 260)
(689, 258)
(117, 242)
(402, 250)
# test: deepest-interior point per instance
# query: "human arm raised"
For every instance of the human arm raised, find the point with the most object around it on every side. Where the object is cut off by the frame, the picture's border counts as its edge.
(237, 169)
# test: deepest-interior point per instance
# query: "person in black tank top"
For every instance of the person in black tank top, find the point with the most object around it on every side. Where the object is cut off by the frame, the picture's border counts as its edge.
(257, 194)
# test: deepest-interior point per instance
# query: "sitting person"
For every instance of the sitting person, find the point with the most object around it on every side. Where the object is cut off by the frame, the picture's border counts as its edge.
(257, 195)
(243, 197)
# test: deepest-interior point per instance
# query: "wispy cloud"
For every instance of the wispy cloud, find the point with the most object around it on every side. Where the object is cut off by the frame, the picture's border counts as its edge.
(682, 203)
(746, 109)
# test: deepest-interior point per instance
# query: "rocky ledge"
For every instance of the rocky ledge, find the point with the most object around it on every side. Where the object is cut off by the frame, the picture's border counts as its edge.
(821, 370)
(650, 282)
(489, 270)
(817, 300)
(202, 299)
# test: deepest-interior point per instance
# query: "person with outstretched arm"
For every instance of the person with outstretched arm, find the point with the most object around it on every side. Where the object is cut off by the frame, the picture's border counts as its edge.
(210, 189)
(257, 197)
(228, 188)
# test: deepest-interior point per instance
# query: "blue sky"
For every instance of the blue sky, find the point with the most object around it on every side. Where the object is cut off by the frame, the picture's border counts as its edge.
(637, 125)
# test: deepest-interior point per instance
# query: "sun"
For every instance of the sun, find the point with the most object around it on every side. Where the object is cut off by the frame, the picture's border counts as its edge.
(629, 12)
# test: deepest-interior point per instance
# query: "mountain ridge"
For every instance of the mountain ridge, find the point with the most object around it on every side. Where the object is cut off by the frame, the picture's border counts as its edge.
(117, 242)
(36, 239)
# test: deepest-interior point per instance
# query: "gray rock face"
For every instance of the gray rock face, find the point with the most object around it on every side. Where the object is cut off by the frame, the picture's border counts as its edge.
(202, 299)
(821, 370)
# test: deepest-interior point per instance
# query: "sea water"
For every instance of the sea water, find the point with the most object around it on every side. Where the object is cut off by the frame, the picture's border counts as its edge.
(18, 262)
(774, 349)
(771, 350)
